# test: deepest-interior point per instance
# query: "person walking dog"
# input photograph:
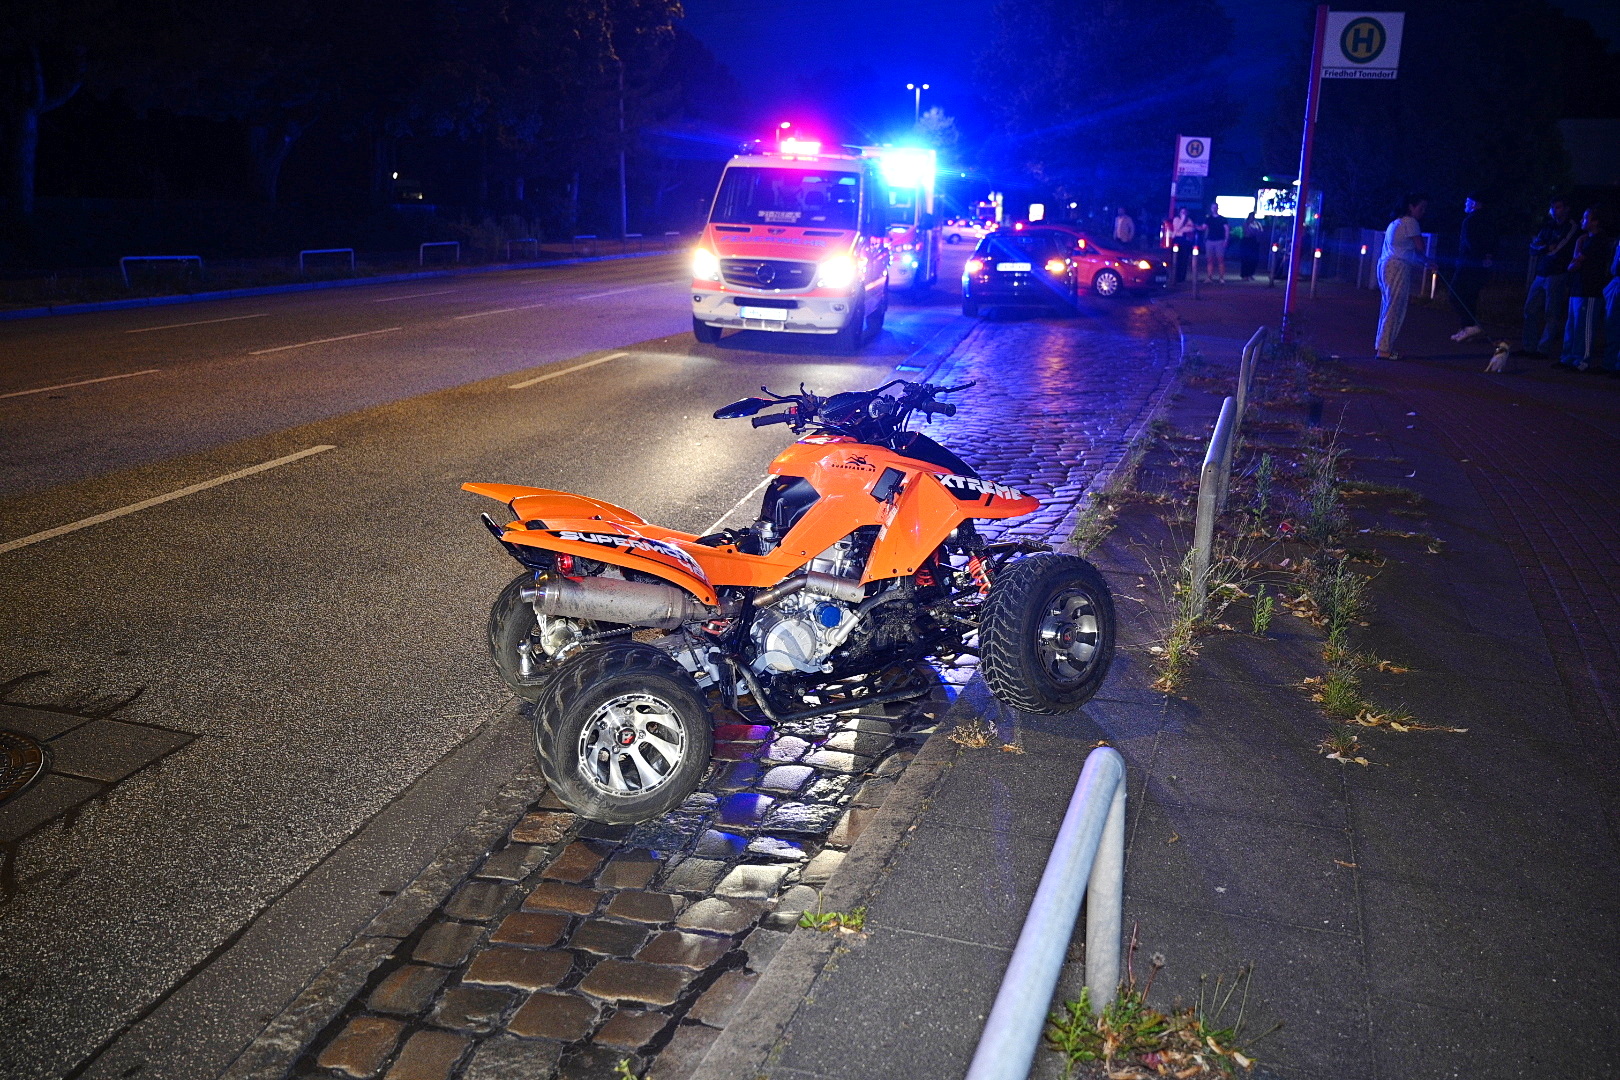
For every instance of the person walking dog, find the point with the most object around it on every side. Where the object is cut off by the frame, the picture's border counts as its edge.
(1476, 252)
(1399, 265)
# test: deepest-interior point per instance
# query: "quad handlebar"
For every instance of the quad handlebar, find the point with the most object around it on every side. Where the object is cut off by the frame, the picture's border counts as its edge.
(869, 415)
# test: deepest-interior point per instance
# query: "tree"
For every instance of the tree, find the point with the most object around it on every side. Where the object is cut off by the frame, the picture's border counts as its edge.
(1482, 86)
(43, 50)
(937, 130)
(1090, 96)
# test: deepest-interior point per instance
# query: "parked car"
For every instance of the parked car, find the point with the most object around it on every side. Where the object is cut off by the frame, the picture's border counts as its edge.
(1020, 269)
(957, 230)
(1100, 264)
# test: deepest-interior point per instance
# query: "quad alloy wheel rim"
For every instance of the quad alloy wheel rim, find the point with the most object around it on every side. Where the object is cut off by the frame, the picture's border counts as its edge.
(631, 745)
(1066, 640)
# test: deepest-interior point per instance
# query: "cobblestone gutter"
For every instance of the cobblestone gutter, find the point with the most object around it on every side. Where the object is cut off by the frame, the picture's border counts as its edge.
(558, 947)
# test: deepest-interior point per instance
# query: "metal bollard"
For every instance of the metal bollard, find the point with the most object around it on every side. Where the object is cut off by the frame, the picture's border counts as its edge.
(1271, 278)
(1088, 859)
(1316, 260)
(1195, 271)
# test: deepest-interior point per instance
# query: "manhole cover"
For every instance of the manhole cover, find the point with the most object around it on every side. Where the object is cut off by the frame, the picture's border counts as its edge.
(22, 761)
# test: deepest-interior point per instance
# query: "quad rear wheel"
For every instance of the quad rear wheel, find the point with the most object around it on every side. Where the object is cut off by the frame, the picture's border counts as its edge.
(1046, 635)
(622, 733)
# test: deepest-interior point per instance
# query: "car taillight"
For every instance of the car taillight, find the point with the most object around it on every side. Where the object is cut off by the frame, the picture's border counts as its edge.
(1056, 266)
(973, 266)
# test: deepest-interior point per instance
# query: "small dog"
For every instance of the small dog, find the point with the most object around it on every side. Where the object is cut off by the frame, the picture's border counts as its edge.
(1499, 358)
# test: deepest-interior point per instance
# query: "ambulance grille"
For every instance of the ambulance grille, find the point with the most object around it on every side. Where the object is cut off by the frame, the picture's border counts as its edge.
(768, 273)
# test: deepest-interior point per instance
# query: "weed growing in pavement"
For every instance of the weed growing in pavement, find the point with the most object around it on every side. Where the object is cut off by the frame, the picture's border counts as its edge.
(1133, 1040)
(1334, 595)
(1342, 743)
(1264, 606)
(973, 733)
(623, 1071)
(853, 921)
(1339, 694)
(1322, 516)
(1393, 491)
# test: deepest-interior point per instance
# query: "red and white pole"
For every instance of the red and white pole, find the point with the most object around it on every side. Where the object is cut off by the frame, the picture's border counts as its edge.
(1313, 98)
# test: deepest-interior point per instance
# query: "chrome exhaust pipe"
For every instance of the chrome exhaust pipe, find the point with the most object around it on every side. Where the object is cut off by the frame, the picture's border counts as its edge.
(628, 603)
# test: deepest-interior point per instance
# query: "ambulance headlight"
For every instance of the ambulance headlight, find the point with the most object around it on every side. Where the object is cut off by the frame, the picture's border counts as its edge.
(705, 265)
(837, 272)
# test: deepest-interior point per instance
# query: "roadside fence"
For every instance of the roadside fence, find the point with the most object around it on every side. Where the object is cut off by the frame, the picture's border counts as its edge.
(325, 251)
(1087, 861)
(534, 247)
(123, 263)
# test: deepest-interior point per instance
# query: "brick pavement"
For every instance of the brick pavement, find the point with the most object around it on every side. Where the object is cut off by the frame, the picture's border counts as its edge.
(573, 946)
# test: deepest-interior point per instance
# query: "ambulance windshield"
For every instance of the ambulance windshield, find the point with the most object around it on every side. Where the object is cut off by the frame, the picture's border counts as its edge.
(804, 197)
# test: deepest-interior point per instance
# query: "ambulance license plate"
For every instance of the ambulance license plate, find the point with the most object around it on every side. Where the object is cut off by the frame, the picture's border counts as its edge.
(774, 314)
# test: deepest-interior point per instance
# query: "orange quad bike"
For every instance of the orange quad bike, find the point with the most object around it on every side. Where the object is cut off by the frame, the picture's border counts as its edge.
(864, 561)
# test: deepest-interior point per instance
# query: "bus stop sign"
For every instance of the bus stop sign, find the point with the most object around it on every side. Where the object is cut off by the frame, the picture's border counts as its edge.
(1362, 44)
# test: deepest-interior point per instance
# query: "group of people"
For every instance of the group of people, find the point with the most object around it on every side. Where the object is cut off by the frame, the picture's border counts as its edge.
(1212, 237)
(1572, 311)
(1574, 299)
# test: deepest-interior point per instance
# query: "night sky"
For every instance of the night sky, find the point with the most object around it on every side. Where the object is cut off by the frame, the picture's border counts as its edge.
(771, 46)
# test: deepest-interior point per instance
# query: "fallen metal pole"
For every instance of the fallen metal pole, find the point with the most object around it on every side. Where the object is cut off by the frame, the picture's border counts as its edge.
(1088, 859)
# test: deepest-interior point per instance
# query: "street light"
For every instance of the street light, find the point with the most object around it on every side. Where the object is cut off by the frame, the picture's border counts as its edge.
(917, 88)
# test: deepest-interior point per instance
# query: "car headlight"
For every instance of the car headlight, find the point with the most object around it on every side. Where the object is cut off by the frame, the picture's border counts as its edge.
(1143, 264)
(837, 272)
(705, 265)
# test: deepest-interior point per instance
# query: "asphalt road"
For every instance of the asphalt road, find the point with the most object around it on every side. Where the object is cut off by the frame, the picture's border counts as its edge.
(316, 624)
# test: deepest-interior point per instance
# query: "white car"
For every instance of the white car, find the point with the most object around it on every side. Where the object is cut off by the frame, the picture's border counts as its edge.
(957, 230)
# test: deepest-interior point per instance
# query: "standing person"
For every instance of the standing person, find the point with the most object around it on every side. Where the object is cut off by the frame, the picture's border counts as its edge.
(1611, 318)
(1216, 232)
(1548, 302)
(1476, 252)
(1124, 228)
(1399, 266)
(1183, 233)
(1588, 273)
(1249, 248)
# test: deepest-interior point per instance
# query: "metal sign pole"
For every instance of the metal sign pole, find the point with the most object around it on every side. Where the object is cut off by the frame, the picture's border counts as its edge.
(1313, 97)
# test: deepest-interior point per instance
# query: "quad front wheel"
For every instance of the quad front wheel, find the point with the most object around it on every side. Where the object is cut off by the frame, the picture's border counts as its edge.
(622, 733)
(1046, 634)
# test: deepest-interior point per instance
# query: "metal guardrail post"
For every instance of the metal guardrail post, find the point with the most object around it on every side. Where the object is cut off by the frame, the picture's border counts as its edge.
(589, 245)
(1212, 481)
(421, 252)
(1088, 859)
(325, 251)
(123, 263)
(671, 238)
(1251, 353)
(534, 244)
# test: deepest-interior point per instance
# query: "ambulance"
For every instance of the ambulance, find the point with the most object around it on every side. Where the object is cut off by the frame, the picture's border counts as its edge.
(914, 232)
(797, 242)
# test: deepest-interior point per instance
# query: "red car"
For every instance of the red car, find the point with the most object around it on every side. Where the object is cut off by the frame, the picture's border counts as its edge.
(1101, 266)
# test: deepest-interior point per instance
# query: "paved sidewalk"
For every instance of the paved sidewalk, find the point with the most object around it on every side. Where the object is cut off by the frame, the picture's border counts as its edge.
(1448, 910)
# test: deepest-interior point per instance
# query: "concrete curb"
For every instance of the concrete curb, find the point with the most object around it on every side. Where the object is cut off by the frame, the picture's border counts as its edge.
(304, 286)
(763, 1017)
(756, 1030)
(288, 1034)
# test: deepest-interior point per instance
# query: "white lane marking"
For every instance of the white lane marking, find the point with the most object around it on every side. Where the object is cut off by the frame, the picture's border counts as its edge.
(616, 292)
(502, 311)
(81, 382)
(413, 296)
(324, 340)
(755, 492)
(85, 523)
(199, 322)
(566, 371)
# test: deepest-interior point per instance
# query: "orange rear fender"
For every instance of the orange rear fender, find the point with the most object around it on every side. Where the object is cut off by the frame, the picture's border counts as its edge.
(620, 546)
(544, 503)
